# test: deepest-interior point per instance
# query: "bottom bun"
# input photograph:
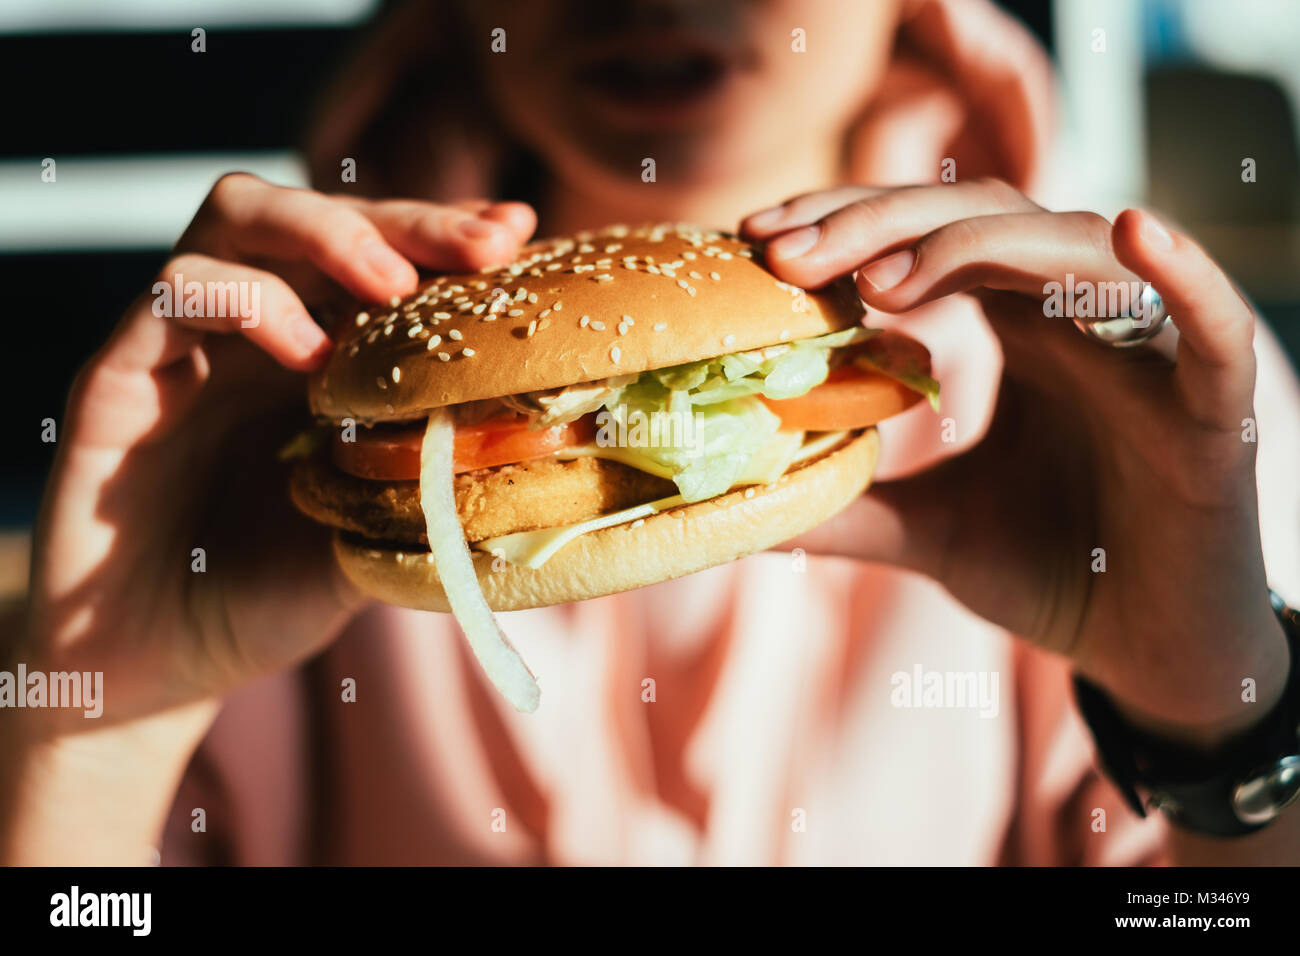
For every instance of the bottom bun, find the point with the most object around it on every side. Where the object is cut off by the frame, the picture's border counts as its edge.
(681, 541)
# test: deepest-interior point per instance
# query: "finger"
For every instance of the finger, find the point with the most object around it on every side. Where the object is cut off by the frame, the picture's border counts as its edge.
(869, 529)
(838, 243)
(451, 239)
(200, 294)
(1215, 373)
(519, 217)
(802, 210)
(1041, 270)
(247, 219)
(1030, 253)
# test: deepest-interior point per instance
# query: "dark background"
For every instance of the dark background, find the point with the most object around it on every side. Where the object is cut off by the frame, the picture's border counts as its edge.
(70, 94)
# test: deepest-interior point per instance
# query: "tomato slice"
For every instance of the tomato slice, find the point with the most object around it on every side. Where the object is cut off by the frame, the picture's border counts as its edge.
(392, 453)
(856, 397)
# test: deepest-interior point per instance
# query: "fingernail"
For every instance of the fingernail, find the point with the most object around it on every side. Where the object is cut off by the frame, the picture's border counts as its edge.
(307, 335)
(1156, 235)
(766, 218)
(794, 244)
(889, 271)
(383, 260)
(478, 229)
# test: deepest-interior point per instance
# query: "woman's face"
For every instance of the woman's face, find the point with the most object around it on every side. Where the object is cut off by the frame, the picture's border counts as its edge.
(706, 90)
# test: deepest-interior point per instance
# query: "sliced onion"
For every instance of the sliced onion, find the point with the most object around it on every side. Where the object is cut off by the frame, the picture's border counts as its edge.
(497, 656)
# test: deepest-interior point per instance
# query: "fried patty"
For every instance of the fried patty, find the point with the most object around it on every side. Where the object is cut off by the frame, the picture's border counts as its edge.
(543, 493)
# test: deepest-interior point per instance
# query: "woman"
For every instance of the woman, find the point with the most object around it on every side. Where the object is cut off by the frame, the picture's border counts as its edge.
(776, 733)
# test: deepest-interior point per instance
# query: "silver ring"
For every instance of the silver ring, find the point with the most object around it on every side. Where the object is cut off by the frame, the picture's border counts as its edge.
(1144, 322)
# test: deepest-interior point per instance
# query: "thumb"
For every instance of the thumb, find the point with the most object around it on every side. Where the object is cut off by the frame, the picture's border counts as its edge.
(895, 523)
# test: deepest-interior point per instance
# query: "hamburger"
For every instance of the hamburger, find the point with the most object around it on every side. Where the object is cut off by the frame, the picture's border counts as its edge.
(611, 410)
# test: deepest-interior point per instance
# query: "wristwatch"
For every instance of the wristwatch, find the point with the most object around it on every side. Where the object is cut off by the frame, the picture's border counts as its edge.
(1239, 787)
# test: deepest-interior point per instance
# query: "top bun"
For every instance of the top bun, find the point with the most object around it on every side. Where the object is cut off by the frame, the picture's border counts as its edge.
(602, 303)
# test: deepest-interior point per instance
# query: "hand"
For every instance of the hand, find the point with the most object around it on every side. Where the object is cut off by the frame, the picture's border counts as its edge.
(1136, 452)
(170, 439)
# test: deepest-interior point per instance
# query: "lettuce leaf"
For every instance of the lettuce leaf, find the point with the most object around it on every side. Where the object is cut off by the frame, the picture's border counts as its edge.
(705, 450)
(701, 423)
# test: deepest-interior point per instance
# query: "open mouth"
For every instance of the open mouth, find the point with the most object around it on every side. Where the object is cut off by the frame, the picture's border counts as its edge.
(656, 79)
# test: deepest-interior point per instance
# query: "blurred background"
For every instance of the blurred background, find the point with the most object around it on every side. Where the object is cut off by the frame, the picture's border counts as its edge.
(140, 127)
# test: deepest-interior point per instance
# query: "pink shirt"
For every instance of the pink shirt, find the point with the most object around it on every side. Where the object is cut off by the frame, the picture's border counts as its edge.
(776, 735)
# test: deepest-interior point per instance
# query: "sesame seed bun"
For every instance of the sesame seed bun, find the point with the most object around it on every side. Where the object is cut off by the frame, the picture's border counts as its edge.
(667, 545)
(652, 297)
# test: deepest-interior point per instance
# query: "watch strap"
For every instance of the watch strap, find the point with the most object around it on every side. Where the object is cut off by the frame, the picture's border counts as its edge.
(1198, 789)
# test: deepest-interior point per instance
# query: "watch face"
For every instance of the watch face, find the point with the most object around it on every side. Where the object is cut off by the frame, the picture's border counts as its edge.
(1268, 791)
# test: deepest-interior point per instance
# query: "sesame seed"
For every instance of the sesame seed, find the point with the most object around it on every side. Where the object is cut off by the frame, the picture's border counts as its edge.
(729, 341)
(598, 326)
(478, 309)
(614, 247)
(544, 324)
(637, 523)
(690, 290)
(414, 330)
(532, 298)
(615, 354)
(434, 342)
(653, 270)
(660, 326)
(622, 328)
(388, 330)
(749, 492)
(603, 277)
(714, 276)
(582, 322)
(397, 374)
(532, 327)
(682, 283)
(442, 315)
(515, 312)
(544, 313)
(468, 353)
(630, 265)
(444, 357)
(395, 301)
(628, 319)
(464, 307)
(455, 334)
(695, 275)
(520, 294)
(363, 318)
(726, 255)
(557, 307)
